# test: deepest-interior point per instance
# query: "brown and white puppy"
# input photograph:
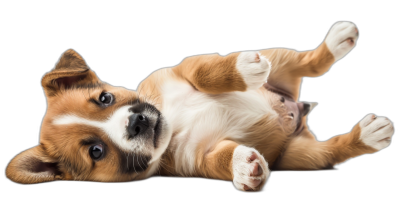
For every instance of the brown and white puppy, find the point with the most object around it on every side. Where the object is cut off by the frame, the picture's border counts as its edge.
(209, 116)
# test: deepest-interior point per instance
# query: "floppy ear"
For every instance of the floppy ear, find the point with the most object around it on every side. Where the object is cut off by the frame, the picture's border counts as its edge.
(33, 166)
(70, 70)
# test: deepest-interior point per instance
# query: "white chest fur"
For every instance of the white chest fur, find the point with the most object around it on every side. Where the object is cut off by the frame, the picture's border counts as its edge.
(199, 118)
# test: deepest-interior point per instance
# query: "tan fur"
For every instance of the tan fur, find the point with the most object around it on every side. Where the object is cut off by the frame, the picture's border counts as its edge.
(217, 164)
(289, 66)
(306, 153)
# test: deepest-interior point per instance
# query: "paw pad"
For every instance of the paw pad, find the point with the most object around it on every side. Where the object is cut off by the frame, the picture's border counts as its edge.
(250, 170)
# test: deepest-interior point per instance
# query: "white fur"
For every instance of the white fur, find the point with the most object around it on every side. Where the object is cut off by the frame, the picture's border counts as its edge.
(203, 119)
(241, 167)
(254, 68)
(337, 36)
(376, 131)
(115, 128)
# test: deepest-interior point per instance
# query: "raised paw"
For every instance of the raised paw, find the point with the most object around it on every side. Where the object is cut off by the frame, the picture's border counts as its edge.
(376, 132)
(254, 68)
(250, 170)
(341, 39)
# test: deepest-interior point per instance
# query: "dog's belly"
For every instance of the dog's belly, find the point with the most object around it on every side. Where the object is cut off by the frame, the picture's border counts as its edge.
(199, 121)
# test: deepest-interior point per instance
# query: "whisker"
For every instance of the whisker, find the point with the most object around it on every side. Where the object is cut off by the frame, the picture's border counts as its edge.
(139, 163)
(142, 160)
(133, 162)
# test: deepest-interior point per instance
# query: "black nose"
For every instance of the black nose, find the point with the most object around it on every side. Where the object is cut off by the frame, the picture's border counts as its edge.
(138, 123)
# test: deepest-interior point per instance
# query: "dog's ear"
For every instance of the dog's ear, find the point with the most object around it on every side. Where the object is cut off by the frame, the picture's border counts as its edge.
(70, 70)
(33, 166)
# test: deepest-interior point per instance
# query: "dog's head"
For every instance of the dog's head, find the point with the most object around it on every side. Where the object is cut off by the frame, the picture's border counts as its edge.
(91, 130)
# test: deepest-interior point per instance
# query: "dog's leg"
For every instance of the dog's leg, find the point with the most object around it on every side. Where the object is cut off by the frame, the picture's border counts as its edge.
(370, 135)
(230, 161)
(244, 71)
(289, 66)
(215, 74)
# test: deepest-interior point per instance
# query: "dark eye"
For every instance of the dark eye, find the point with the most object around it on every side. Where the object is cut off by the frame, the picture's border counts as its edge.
(96, 151)
(106, 98)
(282, 99)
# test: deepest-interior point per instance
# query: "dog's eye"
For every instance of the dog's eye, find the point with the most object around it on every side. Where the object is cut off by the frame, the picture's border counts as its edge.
(282, 99)
(106, 98)
(96, 151)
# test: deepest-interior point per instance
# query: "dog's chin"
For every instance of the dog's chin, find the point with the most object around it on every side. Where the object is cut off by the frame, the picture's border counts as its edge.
(162, 137)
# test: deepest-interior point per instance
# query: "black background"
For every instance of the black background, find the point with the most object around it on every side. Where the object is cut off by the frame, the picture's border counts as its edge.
(126, 47)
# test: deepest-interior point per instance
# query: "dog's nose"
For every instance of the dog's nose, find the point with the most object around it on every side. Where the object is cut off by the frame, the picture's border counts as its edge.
(138, 123)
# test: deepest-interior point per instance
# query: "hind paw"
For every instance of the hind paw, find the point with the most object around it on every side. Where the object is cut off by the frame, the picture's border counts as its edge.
(341, 39)
(376, 132)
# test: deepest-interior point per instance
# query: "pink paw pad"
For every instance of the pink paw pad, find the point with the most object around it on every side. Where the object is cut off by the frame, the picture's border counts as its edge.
(250, 170)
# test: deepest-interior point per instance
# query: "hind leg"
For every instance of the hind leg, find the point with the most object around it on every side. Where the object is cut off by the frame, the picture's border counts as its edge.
(289, 66)
(242, 71)
(370, 135)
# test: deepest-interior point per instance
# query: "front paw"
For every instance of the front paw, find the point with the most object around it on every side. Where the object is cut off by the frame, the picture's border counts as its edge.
(376, 132)
(250, 170)
(254, 68)
(341, 39)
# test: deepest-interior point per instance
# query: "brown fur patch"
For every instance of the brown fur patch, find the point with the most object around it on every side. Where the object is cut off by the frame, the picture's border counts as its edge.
(212, 73)
(217, 163)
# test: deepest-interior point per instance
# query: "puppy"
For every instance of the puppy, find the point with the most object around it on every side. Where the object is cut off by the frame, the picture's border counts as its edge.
(231, 118)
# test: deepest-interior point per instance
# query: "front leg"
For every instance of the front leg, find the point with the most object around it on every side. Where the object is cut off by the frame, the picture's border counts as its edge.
(230, 161)
(215, 74)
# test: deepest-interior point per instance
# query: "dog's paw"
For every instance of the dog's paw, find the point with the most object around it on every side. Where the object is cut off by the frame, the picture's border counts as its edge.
(376, 132)
(254, 68)
(250, 170)
(341, 39)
